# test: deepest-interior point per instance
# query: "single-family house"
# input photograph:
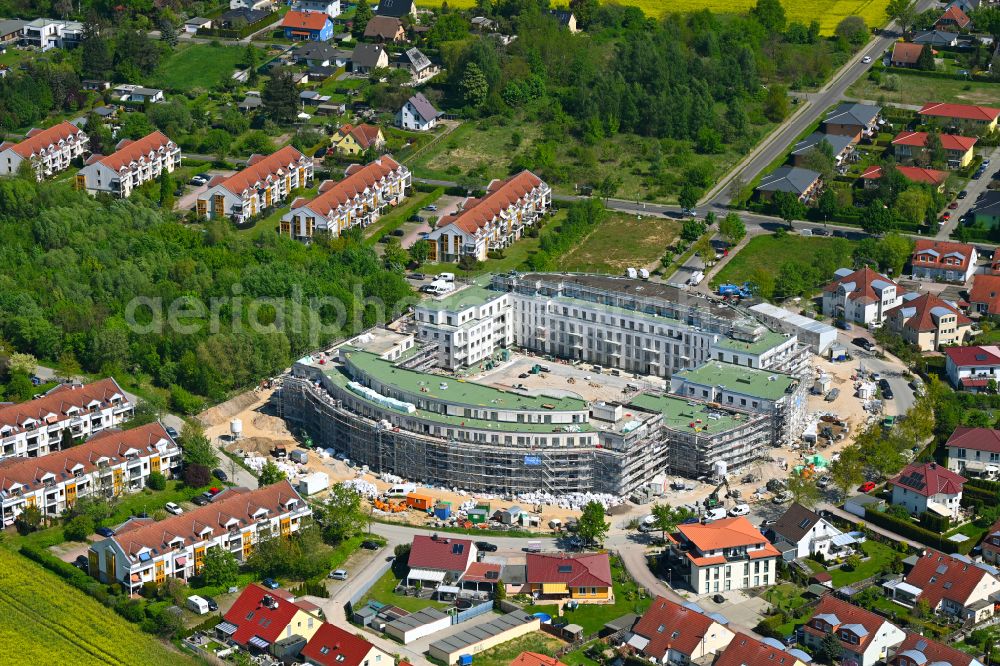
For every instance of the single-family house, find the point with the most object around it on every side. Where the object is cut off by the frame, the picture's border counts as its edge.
(367, 57)
(853, 119)
(960, 150)
(865, 637)
(265, 182)
(968, 117)
(420, 66)
(862, 296)
(396, 8)
(239, 17)
(132, 164)
(950, 584)
(727, 554)
(928, 322)
(418, 114)
(806, 530)
(906, 54)
(953, 19)
(917, 650)
(803, 183)
(334, 646)
(383, 29)
(492, 222)
(436, 560)
(329, 7)
(193, 25)
(974, 451)
(943, 260)
(46, 33)
(744, 650)
(35, 428)
(481, 578)
(984, 297)
(130, 92)
(11, 30)
(986, 211)
(991, 545)
(312, 98)
(966, 5)
(49, 151)
(256, 5)
(840, 146)
(584, 577)
(96, 85)
(307, 26)
(923, 487)
(931, 177)
(936, 39)
(483, 24)
(320, 54)
(565, 18)
(147, 551)
(355, 139)
(260, 617)
(357, 200)
(972, 368)
(671, 633)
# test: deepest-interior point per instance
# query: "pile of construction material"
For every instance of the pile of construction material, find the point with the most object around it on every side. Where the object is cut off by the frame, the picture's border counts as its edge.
(364, 488)
(574, 501)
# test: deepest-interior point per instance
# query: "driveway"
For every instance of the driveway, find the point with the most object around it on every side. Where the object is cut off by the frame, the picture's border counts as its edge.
(190, 197)
(739, 608)
(974, 188)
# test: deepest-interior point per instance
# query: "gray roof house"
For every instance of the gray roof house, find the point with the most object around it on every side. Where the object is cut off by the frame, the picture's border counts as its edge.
(367, 57)
(420, 115)
(801, 182)
(841, 145)
(396, 8)
(10, 29)
(322, 54)
(936, 38)
(420, 66)
(852, 119)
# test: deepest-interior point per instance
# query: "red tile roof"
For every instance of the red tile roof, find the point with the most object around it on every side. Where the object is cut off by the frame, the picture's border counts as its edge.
(941, 576)
(932, 254)
(584, 570)
(261, 612)
(333, 646)
(442, 554)
(38, 140)
(954, 16)
(261, 169)
(111, 444)
(482, 572)
(668, 625)
(986, 290)
(132, 151)
(359, 178)
(305, 20)
(864, 281)
(500, 195)
(926, 310)
(906, 53)
(746, 651)
(364, 134)
(928, 479)
(838, 613)
(535, 659)
(912, 173)
(977, 439)
(974, 356)
(948, 141)
(235, 507)
(58, 402)
(934, 652)
(963, 111)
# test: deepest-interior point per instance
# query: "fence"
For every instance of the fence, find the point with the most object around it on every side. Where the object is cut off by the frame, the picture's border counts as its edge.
(383, 567)
(469, 613)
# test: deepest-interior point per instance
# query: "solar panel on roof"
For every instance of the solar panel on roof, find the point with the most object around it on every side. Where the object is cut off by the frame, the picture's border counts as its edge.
(565, 568)
(805, 523)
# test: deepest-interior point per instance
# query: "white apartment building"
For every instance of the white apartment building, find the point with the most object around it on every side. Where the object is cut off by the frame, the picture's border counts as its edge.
(132, 164)
(48, 34)
(357, 200)
(493, 222)
(109, 464)
(723, 555)
(34, 428)
(265, 182)
(862, 296)
(49, 150)
(146, 551)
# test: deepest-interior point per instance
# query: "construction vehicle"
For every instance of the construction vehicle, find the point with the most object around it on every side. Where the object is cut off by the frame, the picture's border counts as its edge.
(743, 291)
(713, 500)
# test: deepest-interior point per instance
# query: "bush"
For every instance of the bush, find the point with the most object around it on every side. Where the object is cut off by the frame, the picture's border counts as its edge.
(156, 481)
(197, 476)
(78, 528)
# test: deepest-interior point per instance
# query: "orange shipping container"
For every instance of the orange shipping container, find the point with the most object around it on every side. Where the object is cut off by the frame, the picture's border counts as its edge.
(419, 502)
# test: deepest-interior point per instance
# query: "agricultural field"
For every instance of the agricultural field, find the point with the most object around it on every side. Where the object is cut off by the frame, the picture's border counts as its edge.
(829, 12)
(604, 251)
(917, 89)
(43, 616)
(198, 66)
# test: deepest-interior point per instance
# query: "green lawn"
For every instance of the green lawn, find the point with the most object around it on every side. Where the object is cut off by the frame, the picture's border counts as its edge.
(879, 558)
(787, 596)
(149, 501)
(767, 253)
(916, 89)
(604, 250)
(382, 591)
(396, 217)
(198, 66)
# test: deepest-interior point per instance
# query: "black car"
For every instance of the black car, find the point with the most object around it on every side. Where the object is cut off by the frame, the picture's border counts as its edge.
(820, 232)
(200, 500)
(82, 562)
(963, 194)
(320, 153)
(174, 435)
(220, 475)
(864, 343)
(105, 531)
(212, 605)
(486, 546)
(718, 598)
(370, 545)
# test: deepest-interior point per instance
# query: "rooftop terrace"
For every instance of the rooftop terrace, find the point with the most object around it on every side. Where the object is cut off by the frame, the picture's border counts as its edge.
(679, 415)
(762, 384)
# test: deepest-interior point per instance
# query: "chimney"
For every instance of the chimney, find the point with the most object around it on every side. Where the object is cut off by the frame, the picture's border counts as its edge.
(933, 465)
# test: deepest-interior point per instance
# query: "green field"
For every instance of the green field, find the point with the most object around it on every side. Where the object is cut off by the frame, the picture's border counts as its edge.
(828, 12)
(768, 253)
(198, 66)
(622, 241)
(49, 621)
(916, 89)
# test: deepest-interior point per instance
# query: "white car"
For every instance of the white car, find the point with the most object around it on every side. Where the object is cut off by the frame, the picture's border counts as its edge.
(173, 508)
(867, 60)
(739, 510)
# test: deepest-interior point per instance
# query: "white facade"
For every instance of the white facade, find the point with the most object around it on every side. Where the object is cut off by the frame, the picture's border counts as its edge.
(133, 164)
(887, 636)
(916, 503)
(330, 7)
(816, 334)
(50, 151)
(265, 182)
(818, 539)
(465, 333)
(48, 34)
(862, 297)
(409, 118)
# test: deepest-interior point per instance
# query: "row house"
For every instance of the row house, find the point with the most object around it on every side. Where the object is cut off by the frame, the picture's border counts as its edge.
(493, 222)
(357, 200)
(854, 120)
(974, 451)
(727, 554)
(933, 178)
(972, 368)
(745, 650)
(265, 182)
(865, 637)
(863, 296)
(949, 584)
(35, 428)
(132, 164)
(146, 551)
(109, 464)
(966, 117)
(913, 146)
(48, 150)
(918, 650)
(984, 297)
(805, 184)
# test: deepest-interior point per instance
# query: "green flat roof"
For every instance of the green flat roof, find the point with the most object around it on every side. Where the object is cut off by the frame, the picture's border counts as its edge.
(750, 381)
(341, 379)
(464, 298)
(767, 341)
(459, 392)
(679, 415)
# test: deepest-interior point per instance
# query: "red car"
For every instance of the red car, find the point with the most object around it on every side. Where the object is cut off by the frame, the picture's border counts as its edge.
(953, 205)
(867, 486)
(946, 216)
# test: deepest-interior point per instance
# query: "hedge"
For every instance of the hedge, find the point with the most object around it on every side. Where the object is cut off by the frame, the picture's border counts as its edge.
(985, 484)
(907, 529)
(937, 75)
(973, 494)
(240, 33)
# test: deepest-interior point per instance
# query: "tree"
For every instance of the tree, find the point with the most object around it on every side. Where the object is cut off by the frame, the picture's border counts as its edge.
(911, 205)
(776, 103)
(692, 230)
(987, 19)
(395, 258)
(852, 562)
(827, 203)
(688, 197)
(341, 516)
(830, 649)
(847, 471)
(419, 251)
(937, 157)
(198, 450)
(217, 142)
(166, 190)
(609, 186)
(820, 159)
(29, 519)
(925, 60)
(788, 207)
(592, 527)
(771, 15)
(877, 218)
(197, 476)
(78, 528)
(666, 518)
(804, 490)
(251, 63)
(703, 248)
(220, 568)
(499, 594)
(269, 474)
(22, 363)
(280, 97)
(902, 12)
(853, 30)
(156, 481)
(732, 228)
(362, 14)
(168, 32)
(474, 86)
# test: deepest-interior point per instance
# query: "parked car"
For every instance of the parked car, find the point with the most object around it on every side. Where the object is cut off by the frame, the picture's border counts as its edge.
(418, 276)
(220, 475)
(370, 545)
(197, 180)
(339, 574)
(867, 487)
(953, 205)
(842, 325)
(963, 194)
(173, 508)
(174, 435)
(767, 522)
(782, 497)
(213, 491)
(739, 510)
(864, 343)
(200, 500)
(823, 481)
(212, 604)
(82, 562)
(486, 546)
(431, 208)
(270, 583)
(820, 232)
(105, 531)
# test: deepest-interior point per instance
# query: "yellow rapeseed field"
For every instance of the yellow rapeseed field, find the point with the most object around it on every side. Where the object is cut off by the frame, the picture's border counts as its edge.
(828, 12)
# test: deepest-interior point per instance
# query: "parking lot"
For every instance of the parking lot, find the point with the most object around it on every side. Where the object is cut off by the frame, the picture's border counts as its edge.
(188, 200)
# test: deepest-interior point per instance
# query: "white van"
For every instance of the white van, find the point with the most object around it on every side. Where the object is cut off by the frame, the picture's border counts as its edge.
(447, 277)
(718, 513)
(739, 510)
(197, 605)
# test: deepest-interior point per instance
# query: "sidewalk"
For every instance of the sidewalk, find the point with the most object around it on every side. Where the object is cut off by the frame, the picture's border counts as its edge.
(840, 513)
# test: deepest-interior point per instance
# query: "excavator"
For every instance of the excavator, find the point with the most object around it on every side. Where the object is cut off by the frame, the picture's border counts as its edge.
(713, 500)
